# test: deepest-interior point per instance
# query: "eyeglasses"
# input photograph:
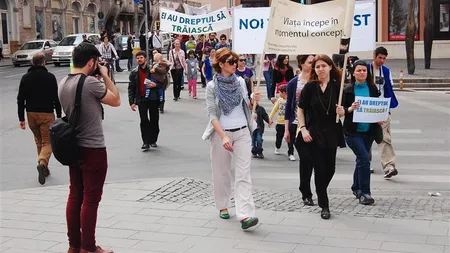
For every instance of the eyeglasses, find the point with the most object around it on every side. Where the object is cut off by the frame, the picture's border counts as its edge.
(242, 60)
(231, 61)
(223, 39)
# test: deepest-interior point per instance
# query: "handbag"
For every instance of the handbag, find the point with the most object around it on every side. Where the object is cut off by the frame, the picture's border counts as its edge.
(63, 134)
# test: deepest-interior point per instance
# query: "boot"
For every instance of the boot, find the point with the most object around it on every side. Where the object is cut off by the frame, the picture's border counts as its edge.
(99, 250)
(73, 250)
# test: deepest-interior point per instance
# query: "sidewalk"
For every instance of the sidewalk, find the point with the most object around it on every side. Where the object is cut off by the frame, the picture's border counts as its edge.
(132, 220)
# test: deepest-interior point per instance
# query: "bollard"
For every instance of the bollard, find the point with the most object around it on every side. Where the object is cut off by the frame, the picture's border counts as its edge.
(401, 79)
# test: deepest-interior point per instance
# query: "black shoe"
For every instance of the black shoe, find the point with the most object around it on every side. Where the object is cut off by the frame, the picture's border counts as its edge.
(325, 213)
(390, 173)
(260, 156)
(308, 202)
(41, 173)
(255, 155)
(161, 111)
(145, 146)
(153, 145)
(182, 87)
(120, 70)
(357, 193)
(366, 199)
(175, 99)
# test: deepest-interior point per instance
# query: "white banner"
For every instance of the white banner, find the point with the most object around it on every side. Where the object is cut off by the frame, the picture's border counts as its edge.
(194, 11)
(371, 110)
(307, 29)
(250, 25)
(179, 23)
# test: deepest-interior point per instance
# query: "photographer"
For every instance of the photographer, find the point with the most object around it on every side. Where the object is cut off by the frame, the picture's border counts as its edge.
(87, 178)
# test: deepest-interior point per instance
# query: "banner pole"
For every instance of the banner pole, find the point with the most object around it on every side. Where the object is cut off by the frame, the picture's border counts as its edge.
(341, 90)
(258, 82)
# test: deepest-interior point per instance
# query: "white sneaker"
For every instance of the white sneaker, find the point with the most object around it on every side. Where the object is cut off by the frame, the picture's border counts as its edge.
(292, 158)
(277, 151)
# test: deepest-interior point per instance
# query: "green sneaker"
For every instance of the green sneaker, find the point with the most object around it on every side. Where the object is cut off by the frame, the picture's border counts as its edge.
(249, 222)
(224, 215)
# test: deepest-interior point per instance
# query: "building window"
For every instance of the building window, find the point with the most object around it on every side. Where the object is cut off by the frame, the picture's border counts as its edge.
(398, 13)
(441, 19)
(26, 12)
(39, 26)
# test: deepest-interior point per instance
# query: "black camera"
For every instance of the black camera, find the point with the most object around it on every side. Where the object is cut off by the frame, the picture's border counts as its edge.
(97, 70)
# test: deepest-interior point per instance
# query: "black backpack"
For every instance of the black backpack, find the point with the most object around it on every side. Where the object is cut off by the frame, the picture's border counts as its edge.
(63, 136)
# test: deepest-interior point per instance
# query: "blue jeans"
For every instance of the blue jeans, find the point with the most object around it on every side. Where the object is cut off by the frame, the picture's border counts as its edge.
(268, 78)
(360, 144)
(257, 142)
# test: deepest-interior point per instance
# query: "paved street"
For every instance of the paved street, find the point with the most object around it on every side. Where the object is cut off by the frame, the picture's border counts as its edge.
(165, 203)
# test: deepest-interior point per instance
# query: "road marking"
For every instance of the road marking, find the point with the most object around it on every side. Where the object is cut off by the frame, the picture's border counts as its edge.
(430, 106)
(20, 74)
(269, 137)
(405, 131)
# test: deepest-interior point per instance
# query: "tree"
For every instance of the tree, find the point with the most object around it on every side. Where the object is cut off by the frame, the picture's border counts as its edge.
(410, 34)
(428, 32)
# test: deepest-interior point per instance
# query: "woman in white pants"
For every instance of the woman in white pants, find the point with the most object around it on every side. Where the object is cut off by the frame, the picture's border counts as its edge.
(229, 131)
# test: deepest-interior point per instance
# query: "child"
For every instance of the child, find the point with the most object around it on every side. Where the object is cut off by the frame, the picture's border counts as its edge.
(207, 69)
(257, 136)
(279, 109)
(192, 68)
(159, 74)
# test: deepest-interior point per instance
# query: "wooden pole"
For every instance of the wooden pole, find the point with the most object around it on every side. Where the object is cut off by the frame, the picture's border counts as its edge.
(258, 82)
(341, 90)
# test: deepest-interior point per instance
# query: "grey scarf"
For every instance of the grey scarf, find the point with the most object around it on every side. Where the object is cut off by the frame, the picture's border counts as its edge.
(229, 92)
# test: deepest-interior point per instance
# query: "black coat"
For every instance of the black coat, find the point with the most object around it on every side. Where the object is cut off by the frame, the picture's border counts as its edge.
(350, 128)
(134, 87)
(278, 77)
(261, 116)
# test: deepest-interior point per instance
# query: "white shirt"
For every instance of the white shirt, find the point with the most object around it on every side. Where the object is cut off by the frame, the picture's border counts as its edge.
(157, 41)
(235, 119)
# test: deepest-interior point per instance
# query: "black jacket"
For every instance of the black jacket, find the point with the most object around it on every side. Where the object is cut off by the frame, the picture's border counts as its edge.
(38, 92)
(350, 128)
(278, 77)
(134, 87)
(261, 116)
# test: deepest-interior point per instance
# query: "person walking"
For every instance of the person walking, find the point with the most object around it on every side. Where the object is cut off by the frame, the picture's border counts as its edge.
(282, 74)
(38, 94)
(207, 69)
(246, 73)
(279, 109)
(88, 176)
(177, 59)
(384, 83)
(148, 105)
(200, 50)
(119, 49)
(192, 70)
(360, 136)
(318, 100)
(269, 65)
(294, 89)
(223, 42)
(191, 44)
(229, 132)
(157, 41)
(130, 47)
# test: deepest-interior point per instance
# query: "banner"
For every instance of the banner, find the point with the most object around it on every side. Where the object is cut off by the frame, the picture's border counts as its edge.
(194, 11)
(307, 29)
(179, 23)
(250, 24)
(371, 110)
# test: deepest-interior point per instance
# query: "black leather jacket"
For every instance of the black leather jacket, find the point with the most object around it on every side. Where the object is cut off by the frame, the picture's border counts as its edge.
(134, 88)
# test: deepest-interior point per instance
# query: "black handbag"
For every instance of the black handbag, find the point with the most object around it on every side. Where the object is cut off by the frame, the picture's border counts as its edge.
(63, 134)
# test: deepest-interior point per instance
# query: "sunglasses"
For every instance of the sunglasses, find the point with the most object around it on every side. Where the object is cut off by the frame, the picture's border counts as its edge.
(231, 61)
(242, 60)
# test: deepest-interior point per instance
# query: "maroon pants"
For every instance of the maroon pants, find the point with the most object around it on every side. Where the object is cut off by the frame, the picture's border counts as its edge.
(86, 188)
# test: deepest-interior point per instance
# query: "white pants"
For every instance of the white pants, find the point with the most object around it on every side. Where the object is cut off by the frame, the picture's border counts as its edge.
(221, 161)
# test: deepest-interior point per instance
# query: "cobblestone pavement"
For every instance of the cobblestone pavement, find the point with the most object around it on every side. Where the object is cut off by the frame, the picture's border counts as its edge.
(399, 206)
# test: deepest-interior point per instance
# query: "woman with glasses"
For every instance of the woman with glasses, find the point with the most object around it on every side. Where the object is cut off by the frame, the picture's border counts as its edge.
(229, 132)
(177, 59)
(282, 74)
(360, 136)
(246, 73)
(322, 135)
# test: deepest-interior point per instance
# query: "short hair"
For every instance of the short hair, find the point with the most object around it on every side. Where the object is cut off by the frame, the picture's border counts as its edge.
(141, 53)
(223, 36)
(221, 57)
(83, 53)
(38, 59)
(381, 50)
(282, 88)
(103, 38)
(191, 52)
(157, 55)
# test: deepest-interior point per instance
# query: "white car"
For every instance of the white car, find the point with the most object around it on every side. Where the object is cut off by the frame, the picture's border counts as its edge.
(26, 52)
(63, 52)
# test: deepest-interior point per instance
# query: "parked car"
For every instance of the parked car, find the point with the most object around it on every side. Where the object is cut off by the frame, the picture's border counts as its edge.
(63, 52)
(166, 41)
(26, 52)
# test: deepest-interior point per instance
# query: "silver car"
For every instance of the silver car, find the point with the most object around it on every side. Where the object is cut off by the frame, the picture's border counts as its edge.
(63, 52)
(26, 52)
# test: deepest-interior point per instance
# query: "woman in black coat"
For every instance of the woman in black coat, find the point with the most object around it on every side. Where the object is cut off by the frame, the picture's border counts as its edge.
(282, 74)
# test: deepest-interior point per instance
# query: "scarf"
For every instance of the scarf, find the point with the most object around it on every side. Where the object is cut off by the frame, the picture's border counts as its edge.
(229, 92)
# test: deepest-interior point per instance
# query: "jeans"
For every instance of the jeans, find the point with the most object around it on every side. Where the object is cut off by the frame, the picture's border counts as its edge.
(149, 126)
(39, 123)
(360, 144)
(86, 188)
(257, 142)
(268, 78)
(130, 62)
(177, 75)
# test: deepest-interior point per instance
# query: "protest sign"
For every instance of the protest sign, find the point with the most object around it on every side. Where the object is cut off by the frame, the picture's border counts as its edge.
(250, 25)
(371, 109)
(179, 23)
(306, 29)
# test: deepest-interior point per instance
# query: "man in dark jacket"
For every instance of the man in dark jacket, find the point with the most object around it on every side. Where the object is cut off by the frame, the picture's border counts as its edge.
(38, 94)
(145, 95)
(257, 136)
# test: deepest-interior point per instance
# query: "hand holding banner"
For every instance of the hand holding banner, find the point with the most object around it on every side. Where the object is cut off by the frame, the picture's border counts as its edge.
(371, 110)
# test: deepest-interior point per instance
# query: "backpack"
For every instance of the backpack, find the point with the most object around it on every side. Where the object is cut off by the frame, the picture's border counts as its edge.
(63, 134)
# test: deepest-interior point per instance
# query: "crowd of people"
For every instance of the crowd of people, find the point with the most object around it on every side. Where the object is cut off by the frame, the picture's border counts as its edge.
(305, 103)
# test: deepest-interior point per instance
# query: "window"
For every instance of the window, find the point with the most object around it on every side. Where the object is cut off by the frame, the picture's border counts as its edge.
(76, 25)
(26, 12)
(53, 44)
(441, 19)
(398, 13)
